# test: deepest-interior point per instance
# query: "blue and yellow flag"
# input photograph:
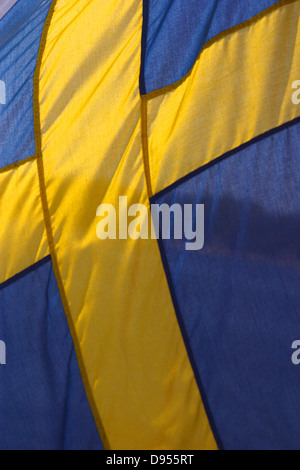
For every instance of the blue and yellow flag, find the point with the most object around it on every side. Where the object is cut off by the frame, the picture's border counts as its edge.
(187, 338)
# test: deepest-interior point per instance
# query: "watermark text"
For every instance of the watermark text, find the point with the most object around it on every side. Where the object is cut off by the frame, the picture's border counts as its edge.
(2, 92)
(176, 222)
(296, 354)
(2, 353)
(296, 94)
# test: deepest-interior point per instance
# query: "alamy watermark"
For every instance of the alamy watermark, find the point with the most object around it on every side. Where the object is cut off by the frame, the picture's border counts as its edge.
(176, 222)
(296, 354)
(296, 344)
(2, 92)
(2, 353)
(296, 94)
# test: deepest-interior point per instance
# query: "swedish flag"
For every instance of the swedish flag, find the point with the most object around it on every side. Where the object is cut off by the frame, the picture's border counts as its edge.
(139, 343)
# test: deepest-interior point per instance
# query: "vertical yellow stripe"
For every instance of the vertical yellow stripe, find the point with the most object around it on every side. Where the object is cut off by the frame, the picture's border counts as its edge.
(48, 227)
(116, 290)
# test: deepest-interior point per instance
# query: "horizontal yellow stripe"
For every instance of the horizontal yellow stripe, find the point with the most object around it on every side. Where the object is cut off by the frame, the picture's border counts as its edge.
(131, 345)
(239, 88)
(23, 239)
(14, 166)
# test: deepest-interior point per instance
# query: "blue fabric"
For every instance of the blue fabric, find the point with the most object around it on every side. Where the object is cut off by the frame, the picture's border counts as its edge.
(20, 33)
(43, 404)
(238, 298)
(175, 31)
